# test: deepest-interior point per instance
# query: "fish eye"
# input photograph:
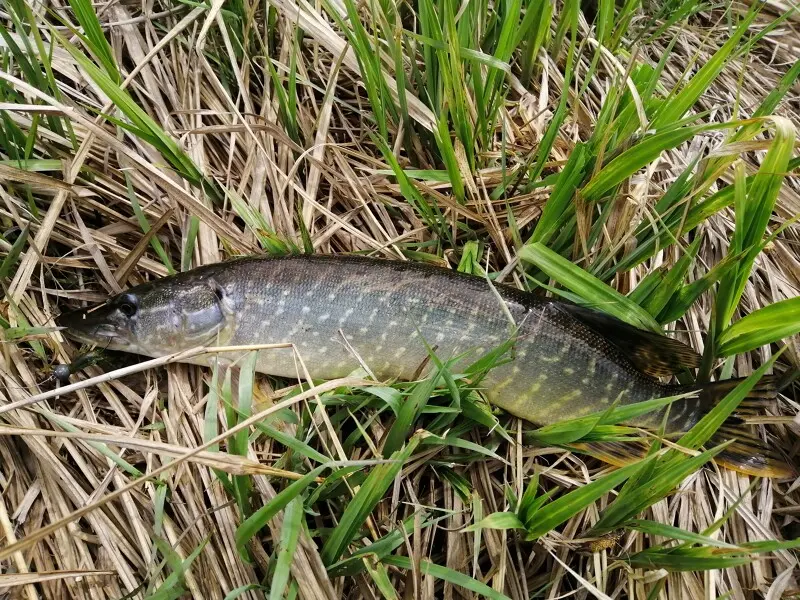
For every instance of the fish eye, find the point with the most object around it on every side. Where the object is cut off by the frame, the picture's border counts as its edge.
(128, 305)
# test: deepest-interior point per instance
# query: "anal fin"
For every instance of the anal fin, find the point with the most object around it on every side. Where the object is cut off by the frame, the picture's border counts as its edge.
(619, 454)
(749, 454)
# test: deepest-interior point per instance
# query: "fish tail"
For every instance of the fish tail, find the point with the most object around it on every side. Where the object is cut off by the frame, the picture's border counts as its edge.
(747, 453)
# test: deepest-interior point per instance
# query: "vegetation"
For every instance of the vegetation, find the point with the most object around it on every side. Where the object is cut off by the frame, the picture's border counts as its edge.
(635, 157)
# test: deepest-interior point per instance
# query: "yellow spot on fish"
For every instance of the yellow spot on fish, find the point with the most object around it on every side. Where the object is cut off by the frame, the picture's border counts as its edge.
(568, 370)
(585, 381)
(503, 385)
(550, 359)
(574, 394)
(592, 366)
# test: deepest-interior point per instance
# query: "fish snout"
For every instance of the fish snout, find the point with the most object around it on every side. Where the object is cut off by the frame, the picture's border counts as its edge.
(92, 326)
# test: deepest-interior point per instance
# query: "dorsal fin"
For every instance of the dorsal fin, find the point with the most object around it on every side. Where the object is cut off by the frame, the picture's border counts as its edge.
(653, 354)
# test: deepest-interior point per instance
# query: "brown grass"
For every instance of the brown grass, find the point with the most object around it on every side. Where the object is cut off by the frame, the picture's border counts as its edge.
(90, 522)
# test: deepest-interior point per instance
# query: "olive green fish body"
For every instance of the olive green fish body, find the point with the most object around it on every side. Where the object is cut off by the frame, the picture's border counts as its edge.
(338, 311)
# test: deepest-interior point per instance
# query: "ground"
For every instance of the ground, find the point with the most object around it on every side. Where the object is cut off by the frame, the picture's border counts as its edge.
(637, 157)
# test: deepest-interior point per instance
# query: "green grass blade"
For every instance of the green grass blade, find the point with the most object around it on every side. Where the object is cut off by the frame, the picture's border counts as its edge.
(596, 293)
(409, 413)
(445, 145)
(290, 534)
(553, 514)
(445, 574)
(676, 107)
(364, 501)
(498, 520)
(259, 519)
(667, 473)
(626, 164)
(13, 254)
(138, 117)
(561, 198)
(573, 430)
(145, 225)
(707, 557)
(673, 281)
(100, 447)
(210, 419)
(752, 217)
(172, 587)
(242, 590)
(94, 39)
(668, 531)
(292, 443)
(762, 327)
(688, 294)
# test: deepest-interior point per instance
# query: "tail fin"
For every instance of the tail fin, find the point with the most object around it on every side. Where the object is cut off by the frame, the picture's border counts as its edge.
(747, 454)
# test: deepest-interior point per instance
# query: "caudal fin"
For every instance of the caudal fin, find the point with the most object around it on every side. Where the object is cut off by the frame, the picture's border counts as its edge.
(747, 453)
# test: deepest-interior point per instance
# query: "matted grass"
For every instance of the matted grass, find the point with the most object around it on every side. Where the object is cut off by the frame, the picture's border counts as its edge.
(640, 158)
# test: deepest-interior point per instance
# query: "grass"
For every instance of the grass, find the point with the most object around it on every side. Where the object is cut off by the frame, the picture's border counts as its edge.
(633, 157)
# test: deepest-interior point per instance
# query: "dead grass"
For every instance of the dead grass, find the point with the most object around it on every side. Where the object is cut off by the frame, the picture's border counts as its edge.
(119, 464)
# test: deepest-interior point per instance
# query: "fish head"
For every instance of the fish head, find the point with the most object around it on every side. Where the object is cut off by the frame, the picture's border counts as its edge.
(156, 319)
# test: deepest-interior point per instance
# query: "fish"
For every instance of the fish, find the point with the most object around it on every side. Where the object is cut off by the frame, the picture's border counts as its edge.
(340, 312)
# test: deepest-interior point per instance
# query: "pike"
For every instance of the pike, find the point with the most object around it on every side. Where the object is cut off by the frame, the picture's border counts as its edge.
(564, 361)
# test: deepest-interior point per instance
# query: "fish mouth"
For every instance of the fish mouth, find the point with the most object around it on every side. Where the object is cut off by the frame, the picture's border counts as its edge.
(87, 327)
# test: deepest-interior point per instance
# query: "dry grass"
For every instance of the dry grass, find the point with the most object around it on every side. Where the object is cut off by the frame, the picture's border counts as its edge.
(100, 458)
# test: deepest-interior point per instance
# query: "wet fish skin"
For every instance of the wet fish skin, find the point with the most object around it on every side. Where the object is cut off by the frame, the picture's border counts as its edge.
(384, 309)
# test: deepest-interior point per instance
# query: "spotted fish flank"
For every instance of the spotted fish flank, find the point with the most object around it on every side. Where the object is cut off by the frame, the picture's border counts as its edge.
(565, 360)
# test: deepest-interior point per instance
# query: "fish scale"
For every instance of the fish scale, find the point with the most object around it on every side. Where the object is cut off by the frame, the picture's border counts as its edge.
(565, 361)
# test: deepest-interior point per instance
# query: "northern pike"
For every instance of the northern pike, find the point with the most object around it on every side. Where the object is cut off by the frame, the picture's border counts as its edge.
(565, 360)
